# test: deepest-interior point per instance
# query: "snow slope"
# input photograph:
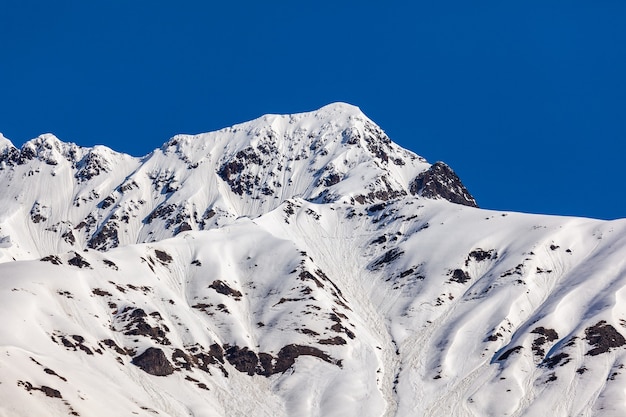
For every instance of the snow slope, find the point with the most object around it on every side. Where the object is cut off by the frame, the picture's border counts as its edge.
(359, 289)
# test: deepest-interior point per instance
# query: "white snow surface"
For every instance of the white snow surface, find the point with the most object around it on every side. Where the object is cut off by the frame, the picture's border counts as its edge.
(310, 241)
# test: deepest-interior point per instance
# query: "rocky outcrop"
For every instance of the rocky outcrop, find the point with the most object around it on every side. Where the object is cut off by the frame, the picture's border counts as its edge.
(439, 181)
(154, 362)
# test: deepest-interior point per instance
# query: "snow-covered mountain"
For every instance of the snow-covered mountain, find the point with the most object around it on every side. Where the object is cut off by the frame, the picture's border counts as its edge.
(101, 199)
(299, 265)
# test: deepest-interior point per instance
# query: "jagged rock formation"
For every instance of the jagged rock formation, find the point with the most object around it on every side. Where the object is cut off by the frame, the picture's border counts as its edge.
(439, 181)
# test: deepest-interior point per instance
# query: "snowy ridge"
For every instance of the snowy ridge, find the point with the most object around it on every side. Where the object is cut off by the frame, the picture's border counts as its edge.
(363, 289)
(104, 199)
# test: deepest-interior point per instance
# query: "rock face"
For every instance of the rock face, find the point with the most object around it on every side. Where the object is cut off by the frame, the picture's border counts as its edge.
(154, 362)
(439, 181)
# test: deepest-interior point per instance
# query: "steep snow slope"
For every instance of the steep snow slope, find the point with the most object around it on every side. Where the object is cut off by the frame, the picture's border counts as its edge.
(320, 298)
(414, 307)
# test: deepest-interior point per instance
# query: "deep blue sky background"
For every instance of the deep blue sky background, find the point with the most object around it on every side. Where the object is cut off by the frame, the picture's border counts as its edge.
(525, 100)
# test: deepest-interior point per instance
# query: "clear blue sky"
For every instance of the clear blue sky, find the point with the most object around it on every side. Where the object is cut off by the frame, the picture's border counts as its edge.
(525, 100)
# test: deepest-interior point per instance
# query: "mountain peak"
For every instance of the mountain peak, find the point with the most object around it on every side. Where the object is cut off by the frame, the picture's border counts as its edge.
(329, 111)
(4, 142)
(306, 261)
(195, 182)
(336, 108)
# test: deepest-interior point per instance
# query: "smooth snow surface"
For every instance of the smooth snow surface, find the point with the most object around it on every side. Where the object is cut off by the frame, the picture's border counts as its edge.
(229, 251)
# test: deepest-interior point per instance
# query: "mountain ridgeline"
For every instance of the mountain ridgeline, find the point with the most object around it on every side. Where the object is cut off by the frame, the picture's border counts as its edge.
(295, 265)
(100, 199)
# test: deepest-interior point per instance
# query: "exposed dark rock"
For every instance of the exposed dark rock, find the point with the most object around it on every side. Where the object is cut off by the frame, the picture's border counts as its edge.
(107, 202)
(49, 392)
(603, 337)
(154, 362)
(182, 359)
(68, 236)
(518, 270)
(90, 166)
(222, 288)
(379, 195)
(509, 352)
(337, 327)
(110, 264)
(337, 340)
(39, 213)
(389, 256)
(480, 255)
(288, 354)
(306, 275)
(209, 213)
(406, 273)
(161, 212)
(376, 141)
(76, 342)
(233, 171)
(101, 292)
(494, 337)
(78, 261)
(550, 334)
(284, 300)
(202, 359)
(10, 155)
(55, 260)
(308, 332)
(376, 207)
(243, 359)
(184, 227)
(439, 181)
(217, 352)
(546, 335)
(112, 345)
(138, 326)
(537, 346)
(379, 240)
(127, 187)
(313, 214)
(27, 153)
(460, 276)
(52, 372)
(247, 361)
(163, 257)
(105, 238)
(558, 359)
(351, 136)
(203, 307)
(265, 364)
(331, 179)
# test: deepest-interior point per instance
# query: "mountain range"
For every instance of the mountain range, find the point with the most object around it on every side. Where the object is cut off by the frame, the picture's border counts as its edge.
(295, 265)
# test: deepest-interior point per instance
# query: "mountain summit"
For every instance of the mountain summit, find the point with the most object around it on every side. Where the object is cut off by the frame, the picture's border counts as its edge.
(100, 199)
(295, 265)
